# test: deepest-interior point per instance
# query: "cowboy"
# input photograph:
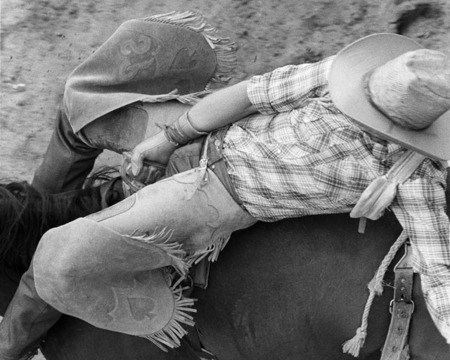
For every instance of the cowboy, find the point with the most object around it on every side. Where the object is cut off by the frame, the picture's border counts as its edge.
(300, 140)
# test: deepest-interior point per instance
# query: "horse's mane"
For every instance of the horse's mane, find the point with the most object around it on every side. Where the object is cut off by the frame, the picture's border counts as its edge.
(26, 214)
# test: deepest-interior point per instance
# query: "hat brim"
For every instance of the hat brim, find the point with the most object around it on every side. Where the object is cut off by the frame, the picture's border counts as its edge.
(347, 92)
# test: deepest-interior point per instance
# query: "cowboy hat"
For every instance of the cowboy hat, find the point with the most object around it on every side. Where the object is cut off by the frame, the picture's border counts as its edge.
(379, 79)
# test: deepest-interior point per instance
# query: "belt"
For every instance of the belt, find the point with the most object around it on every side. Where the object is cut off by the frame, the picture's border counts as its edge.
(212, 149)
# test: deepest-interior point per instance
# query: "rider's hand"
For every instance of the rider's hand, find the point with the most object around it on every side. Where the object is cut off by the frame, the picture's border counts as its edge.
(156, 148)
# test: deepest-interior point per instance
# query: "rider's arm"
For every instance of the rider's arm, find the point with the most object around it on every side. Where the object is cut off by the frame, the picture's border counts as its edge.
(212, 112)
(283, 89)
(221, 108)
(420, 208)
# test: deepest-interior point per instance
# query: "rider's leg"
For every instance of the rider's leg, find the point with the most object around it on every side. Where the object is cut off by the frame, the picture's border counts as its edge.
(28, 317)
(192, 208)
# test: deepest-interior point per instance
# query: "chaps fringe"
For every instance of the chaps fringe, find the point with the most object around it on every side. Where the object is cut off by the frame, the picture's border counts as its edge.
(161, 238)
(170, 335)
(224, 48)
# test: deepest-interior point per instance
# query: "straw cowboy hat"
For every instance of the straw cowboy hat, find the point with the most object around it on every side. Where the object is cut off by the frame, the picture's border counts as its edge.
(396, 89)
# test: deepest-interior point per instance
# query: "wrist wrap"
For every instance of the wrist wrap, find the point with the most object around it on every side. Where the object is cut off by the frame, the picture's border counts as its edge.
(181, 131)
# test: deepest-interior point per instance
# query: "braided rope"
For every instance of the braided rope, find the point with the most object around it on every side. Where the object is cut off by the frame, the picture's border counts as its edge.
(375, 286)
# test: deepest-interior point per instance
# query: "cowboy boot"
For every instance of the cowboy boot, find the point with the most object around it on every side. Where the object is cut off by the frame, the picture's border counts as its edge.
(27, 320)
(67, 162)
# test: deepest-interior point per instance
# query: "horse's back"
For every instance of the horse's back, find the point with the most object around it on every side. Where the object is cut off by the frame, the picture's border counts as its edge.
(297, 289)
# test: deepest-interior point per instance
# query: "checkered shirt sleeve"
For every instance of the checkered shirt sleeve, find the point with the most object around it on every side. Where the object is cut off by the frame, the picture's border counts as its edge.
(289, 87)
(420, 207)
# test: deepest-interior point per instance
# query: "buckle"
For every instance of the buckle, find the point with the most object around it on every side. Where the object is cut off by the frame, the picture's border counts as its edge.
(391, 305)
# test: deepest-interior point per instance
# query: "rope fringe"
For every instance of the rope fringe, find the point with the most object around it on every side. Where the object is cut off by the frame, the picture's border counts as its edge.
(375, 286)
(354, 345)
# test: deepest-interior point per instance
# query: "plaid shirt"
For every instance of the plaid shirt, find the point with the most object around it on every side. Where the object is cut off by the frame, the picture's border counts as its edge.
(301, 156)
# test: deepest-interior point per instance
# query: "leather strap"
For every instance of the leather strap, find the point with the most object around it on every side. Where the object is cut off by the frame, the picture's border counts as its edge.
(402, 308)
(200, 274)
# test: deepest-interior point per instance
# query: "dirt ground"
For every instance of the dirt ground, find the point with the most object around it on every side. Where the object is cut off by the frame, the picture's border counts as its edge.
(42, 41)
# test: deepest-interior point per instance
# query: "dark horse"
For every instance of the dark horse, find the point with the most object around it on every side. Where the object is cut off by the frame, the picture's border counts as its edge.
(289, 290)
